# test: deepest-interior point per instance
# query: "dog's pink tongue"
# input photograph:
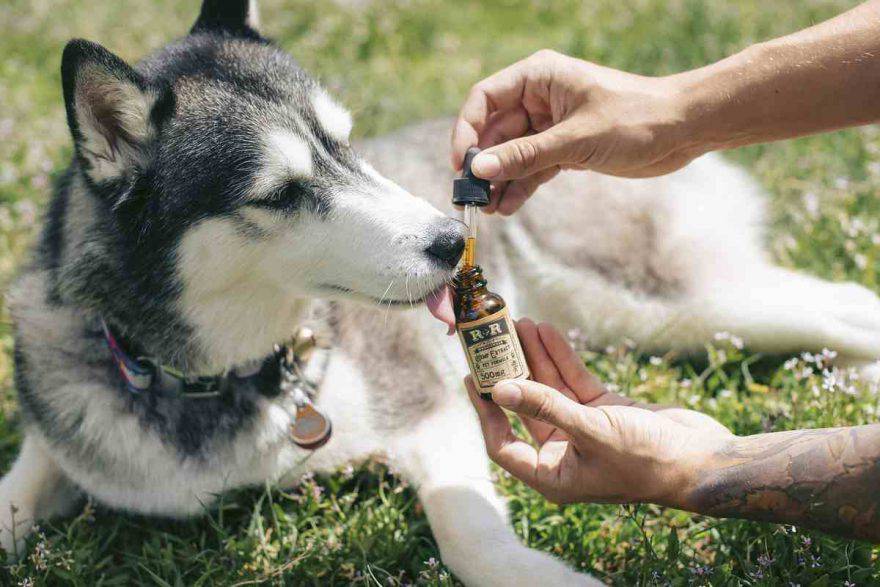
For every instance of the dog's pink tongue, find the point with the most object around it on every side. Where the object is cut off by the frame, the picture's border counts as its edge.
(440, 305)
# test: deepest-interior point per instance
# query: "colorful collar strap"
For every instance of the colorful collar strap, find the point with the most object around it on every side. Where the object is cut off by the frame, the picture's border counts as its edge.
(137, 374)
(142, 373)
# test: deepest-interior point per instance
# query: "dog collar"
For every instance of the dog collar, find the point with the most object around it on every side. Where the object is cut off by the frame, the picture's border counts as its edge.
(144, 374)
(280, 372)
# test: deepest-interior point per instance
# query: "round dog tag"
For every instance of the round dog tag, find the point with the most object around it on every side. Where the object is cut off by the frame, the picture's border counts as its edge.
(310, 429)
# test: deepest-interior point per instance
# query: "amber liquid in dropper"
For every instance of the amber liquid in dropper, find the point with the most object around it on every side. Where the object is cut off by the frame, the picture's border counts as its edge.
(468, 259)
(485, 329)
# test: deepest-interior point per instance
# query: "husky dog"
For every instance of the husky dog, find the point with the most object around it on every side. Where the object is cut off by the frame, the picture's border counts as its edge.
(214, 204)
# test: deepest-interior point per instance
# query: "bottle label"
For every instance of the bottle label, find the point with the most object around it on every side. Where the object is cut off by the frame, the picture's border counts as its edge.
(493, 350)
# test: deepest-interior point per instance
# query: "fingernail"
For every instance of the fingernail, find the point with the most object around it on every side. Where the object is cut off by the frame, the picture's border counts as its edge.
(486, 165)
(506, 394)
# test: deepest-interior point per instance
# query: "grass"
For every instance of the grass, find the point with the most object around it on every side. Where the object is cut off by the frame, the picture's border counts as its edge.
(393, 64)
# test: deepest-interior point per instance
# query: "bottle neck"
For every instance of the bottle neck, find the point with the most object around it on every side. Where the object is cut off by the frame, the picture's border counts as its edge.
(470, 281)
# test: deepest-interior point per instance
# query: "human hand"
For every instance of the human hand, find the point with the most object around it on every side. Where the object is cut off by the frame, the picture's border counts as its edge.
(590, 444)
(550, 112)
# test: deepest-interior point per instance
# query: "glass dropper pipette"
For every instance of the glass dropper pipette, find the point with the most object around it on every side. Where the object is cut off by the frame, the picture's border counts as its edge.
(470, 192)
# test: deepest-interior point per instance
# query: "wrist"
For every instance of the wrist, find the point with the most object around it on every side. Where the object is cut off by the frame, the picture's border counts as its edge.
(684, 118)
(716, 104)
(688, 475)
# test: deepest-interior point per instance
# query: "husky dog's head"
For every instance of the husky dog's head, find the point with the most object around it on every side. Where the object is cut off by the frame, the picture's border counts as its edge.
(228, 191)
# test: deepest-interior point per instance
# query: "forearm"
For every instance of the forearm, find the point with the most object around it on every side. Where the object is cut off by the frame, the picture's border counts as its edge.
(825, 479)
(822, 78)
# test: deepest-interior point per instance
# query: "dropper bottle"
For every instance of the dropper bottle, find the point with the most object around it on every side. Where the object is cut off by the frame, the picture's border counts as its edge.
(485, 329)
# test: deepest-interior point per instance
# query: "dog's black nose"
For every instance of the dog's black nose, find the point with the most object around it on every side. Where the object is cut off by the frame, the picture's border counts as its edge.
(447, 246)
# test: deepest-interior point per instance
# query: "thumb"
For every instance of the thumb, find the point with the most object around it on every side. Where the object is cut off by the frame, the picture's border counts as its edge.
(524, 156)
(541, 402)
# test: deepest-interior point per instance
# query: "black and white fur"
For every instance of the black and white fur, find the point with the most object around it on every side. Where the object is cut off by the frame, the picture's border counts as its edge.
(214, 204)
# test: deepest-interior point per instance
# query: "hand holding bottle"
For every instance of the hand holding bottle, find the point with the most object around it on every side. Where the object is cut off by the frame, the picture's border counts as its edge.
(592, 445)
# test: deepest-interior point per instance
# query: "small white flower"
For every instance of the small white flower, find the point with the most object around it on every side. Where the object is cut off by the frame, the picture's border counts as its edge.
(6, 222)
(833, 380)
(790, 364)
(656, 361)
(857, 227)
(803, 373)
(811, 204)
(40, 181)
(6, 127)
(8, 174)
(26, 211)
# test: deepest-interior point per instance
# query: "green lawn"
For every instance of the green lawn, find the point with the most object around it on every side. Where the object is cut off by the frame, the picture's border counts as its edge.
(393, 65)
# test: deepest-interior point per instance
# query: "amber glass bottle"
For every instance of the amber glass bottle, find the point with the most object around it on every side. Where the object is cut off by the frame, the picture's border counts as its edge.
(487, 333)
(484, 326)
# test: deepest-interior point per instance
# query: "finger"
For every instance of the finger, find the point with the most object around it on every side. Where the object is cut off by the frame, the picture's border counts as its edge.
(492, 419)
(526, 155)
(586, 386)
(503, 126)
(540, 363)
(541, 402)
(516, 456)
(496, 195)
(500, 91)
(519, 191)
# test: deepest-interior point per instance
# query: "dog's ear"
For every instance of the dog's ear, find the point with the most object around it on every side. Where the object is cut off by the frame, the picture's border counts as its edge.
(109, 110)
(238, 17)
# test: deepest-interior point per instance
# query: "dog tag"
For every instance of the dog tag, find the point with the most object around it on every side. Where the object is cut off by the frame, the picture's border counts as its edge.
(310, 429)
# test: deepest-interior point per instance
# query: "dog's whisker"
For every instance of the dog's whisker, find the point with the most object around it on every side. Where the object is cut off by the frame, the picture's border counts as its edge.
(387, 308)
(408, 294)
(387, 289)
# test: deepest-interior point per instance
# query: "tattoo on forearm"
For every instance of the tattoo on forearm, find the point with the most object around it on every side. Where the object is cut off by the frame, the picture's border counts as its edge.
(823, 479)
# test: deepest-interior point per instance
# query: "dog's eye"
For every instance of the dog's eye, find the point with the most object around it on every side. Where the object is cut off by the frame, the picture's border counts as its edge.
(285, 199)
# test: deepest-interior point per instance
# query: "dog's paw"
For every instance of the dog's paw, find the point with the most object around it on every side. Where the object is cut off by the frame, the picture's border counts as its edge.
(852, 315)
(781, 311)
(515, 565)
(854, 304)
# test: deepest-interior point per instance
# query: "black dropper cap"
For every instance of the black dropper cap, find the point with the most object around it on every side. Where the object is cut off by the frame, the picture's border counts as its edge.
(470, 189)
